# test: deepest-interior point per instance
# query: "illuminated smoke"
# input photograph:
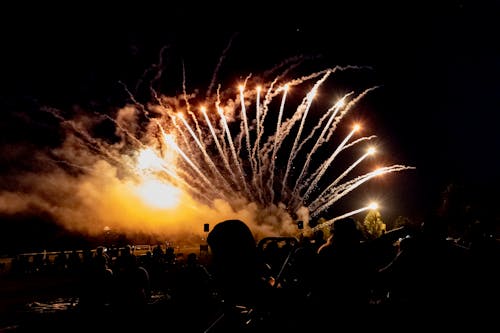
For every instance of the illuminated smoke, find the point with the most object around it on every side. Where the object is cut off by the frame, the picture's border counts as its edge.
(183, 161)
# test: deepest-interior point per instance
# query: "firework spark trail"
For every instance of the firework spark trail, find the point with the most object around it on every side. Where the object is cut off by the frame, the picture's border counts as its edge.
(181, 132)
(346, 109)
(197, 126)
(276, 141)
(233, 151)
(245, 125)
(291, 64)
(346, 172)
(135, 101)
(159, 68)
(273, 93)
(188, 106)
(85, 138)
(265, 156)
(288, 65)
(261, 155)
(307, 106)
(336, 107)
(219, 64)
(222, 137)
(320, 200)
(126, 132)
(172, 144)
(256, 147)
(351, 185)
(73, 165)
(289, 123)
(299, 187)
(355, 142)
(208, 159)
(156, 163)
(219, 147)
(247, 162)
(269, 98)
(177, 176)
(195, 187)
(331, 221)
(102, 151)
(318, 174)
(333, 111)
(270, 94)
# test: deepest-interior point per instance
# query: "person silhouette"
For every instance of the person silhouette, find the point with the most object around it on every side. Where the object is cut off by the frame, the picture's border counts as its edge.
(235, 269)
(343, 270)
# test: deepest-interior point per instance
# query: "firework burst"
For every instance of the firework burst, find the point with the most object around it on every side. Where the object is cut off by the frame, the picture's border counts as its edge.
(248, 152)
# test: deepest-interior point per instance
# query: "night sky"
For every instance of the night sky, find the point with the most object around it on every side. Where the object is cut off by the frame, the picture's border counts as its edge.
(438, 67)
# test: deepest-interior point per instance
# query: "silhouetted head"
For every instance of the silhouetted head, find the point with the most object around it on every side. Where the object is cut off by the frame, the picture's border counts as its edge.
(345, 231)
(319, 236)
(127, 250)
(192, 258)
(231, 238)
(100, 250)
(234, 260)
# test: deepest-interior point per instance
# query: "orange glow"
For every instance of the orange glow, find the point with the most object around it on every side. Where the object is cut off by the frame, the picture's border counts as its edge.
(158, 194)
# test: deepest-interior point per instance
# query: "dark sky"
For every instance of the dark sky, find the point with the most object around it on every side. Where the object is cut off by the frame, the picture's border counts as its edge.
(438, 64)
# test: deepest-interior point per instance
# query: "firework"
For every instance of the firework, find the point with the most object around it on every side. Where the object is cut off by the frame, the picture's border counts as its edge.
(232, 157)
(264, 157)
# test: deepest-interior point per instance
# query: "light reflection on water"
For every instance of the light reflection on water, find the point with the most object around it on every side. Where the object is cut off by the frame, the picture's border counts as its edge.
(52, 306)
(71, 303)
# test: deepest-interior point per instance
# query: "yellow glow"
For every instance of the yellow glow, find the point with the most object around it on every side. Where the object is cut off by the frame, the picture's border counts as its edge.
(241, 87)
(371, 150)
(158, 194)
(286, 87)
(203, 109)
(356, 127)
(373, 206)
(148, 159)
(180, 115)
(378, 171)
(259, 88)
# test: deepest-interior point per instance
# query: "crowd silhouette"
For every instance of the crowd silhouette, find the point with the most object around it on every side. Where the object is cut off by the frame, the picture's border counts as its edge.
(285, 284)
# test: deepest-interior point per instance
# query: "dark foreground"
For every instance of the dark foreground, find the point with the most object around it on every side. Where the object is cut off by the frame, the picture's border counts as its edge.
(403, 280)
(51, 308)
